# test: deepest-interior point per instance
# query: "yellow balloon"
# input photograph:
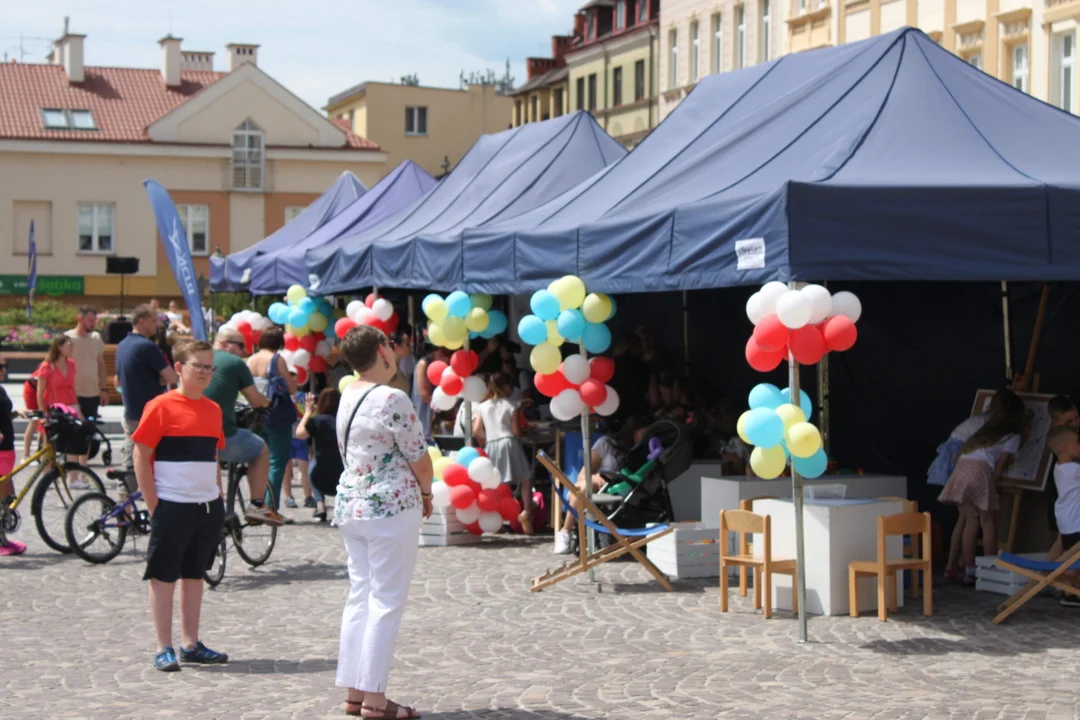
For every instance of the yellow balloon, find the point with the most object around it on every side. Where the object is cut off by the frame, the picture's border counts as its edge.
(316, 322)
(596, 308)
(481, 300)
(570, 290)
(435, 335)
(436, 310)
(791, 415)
(477, 320)
(454, 330)
(741, 428)
(545, 358)
(439, 466)
(803, 440)
(454, 344)
(434, 452)
(296, 293)
(345, 382)
(768, 463)
(297, 331)
(553, 333)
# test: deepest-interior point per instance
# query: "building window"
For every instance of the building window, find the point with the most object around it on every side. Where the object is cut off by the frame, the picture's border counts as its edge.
(802, 6)
(673, 59)
(590, 32)
(517, 113)
(249, 145)
(975, 60)
(639, 80)
(558, 101)
(1020, 67)
(96, 227)
(57, 119)
(293, 211)
(717, 43)
(581, 93)
(643, 11)
(620, 14)
(592, 91)
(1065, 59)
(766, 32)
(740, 36)
(416, 120)
(695, 53)
(616, 86)
(352, 119)
(196, 222)
(534, 108)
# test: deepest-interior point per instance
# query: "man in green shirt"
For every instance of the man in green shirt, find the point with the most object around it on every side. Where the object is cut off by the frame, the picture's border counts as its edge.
(232, 378)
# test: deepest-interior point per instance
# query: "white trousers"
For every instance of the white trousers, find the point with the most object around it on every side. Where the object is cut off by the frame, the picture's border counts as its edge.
(382, 557)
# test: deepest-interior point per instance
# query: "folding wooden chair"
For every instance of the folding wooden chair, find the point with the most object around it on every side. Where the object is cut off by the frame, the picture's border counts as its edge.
(746, 523)
(622, 538)
(1041, 574)
(888, 571)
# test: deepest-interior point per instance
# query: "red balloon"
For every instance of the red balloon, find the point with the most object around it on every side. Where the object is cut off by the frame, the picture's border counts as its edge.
(840, 333)
(301, 376)
(317, 364)
(504, 491)
(308, 342)
(602, 369)
(450, 383)
(770, 334)
(392, 323)
(551, 385)
(593, 392)
(292, 343)
(435, 372)
(454, 474)
(255, 335)
(474, 528)
(318, 336)
(462, 496)
(760, 360)
(464, 363)
(244, 327)
(488, 500)
(807, 345)
(509, 508)
(341, 328)
(370, 299)
(475, 487)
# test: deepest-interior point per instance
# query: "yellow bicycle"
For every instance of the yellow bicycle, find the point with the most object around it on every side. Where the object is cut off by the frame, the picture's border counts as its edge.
(54, 478)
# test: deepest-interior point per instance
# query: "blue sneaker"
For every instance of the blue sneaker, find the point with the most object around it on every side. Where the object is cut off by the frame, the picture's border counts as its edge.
(166, 660)
(203, 655)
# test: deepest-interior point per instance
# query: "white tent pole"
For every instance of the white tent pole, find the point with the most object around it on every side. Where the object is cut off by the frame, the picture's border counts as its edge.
(586, 466)
(797, 497)
(468, 406)
(1008, 334)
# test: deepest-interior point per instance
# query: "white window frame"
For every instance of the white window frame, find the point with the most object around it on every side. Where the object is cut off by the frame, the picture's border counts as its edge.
(766, 31)
(413, 111)
(1019, 66)
(96, 216)
(803, 6)
(695, 51)
(740, 36)
(249, 156)
(673, 59)
(68, 119)
(185, 212)
(620, 14)
(643, 11)
(1065, 67)
(974, 60)
(718, 43)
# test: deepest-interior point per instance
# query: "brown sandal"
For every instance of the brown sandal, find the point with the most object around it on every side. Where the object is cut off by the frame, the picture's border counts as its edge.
(357, 713)
(390, 712)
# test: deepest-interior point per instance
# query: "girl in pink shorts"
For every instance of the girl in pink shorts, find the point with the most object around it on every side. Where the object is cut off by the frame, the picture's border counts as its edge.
(7, 458)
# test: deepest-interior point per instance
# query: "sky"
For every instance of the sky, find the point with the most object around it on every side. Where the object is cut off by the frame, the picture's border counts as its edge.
(316, 48)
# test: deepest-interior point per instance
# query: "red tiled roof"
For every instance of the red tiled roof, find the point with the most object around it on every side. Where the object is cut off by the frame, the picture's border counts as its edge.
(355, 141)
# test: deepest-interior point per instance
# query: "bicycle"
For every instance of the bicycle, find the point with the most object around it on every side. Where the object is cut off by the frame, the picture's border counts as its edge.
(97, 516)
(64, 434)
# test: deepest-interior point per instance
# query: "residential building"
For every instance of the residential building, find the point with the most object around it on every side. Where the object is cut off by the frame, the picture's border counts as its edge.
(613, 66)
(546, 92)
(237, 151)
(433, 127)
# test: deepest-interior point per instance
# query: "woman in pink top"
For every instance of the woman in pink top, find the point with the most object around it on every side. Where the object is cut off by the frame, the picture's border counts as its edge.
(56, 376)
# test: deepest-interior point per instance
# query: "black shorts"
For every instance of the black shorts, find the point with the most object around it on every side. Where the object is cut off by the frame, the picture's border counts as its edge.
(1067, 541)
(183, 537)
(89, 406)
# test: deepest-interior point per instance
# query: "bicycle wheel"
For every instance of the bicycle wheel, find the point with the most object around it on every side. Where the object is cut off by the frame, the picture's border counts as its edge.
(216, 571)
(94, 531)
(254, 541)
(49, 516)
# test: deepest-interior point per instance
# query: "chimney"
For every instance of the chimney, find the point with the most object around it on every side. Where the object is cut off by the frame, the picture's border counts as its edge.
(196, 60)
(240, 53)
(559, 45)
(170, 60)
(68, 51)
(579, 25)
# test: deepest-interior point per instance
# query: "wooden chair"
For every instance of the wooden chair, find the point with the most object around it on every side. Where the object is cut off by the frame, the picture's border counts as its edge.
(747, 504)
(914, 542)
(747, 523)
(888, 571)
(1041, 574)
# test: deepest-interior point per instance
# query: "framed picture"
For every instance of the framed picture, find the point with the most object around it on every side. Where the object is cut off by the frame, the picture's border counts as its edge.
(1031, 466)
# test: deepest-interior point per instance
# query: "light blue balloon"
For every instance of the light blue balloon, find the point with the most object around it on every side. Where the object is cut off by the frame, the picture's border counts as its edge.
(804, 401)
(766, 395)
(612, 299)
(458, 303)
(465, 456)
(307, 305)
(278, 313)
(428, 299)
(764, 428)
(297, 317)
(532, 330)
(813, 466)
(545, 305)
(571, 325)
(497, 323)
(596, 338)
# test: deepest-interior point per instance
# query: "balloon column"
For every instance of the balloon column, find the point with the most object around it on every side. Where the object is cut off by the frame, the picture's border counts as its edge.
(376, 311)
(779, 430)
(250, 324)
(469, 484)
(565, 312)
(808, 322)
(305, 319)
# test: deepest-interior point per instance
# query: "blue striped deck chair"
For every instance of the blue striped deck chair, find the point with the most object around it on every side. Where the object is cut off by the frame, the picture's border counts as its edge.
(623, 541)
(1041, 574)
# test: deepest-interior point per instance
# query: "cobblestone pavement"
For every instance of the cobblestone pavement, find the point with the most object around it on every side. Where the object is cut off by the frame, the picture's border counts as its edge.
(76, 642)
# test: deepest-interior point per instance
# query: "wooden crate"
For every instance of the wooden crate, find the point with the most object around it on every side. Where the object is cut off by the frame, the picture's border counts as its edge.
(691, 551)
(443, 528)
(990, 578)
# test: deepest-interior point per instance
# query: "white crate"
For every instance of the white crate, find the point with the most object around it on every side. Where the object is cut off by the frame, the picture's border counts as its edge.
(443, 528)
(690, 551)
(990, 578)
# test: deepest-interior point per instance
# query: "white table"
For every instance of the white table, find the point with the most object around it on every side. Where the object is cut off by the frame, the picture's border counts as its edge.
(836, 532)
(685, 490)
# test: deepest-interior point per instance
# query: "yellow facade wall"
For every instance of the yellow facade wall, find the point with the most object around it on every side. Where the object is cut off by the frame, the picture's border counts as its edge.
(631, 118)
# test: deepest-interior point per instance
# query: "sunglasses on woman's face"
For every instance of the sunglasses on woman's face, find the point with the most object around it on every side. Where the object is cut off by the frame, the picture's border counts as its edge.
(391, 344)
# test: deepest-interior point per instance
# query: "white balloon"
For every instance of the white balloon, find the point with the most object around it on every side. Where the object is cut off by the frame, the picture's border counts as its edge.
(469, 515)
(845, 303)
(793, 309)
(289, 357)
(569, 402)
(755, 308)
(610, 404)
(820, 302)
(440, 495)
(383, 308)
(441, 401)
(576, 369)
(557, 413)
(480, 470)
(490, 522)
(496, 477)
(322, 348)
(301, 358)
(262, 323)
(770, 292)
(365, 316)
(352, 310)
(474, 390)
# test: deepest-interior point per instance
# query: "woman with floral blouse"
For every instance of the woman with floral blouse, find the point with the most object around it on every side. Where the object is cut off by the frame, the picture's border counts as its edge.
(382, 496)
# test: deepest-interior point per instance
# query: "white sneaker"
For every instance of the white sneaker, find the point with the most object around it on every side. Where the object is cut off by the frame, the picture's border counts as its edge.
(79, 484)
(562, 543)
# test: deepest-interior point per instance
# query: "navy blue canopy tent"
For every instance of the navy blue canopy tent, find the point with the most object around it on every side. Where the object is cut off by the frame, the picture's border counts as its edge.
(502, 175)
(229, 274)
(274, 272)
(887, 159)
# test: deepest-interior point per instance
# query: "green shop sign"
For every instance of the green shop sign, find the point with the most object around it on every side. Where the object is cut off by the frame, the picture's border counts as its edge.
(46, 285)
